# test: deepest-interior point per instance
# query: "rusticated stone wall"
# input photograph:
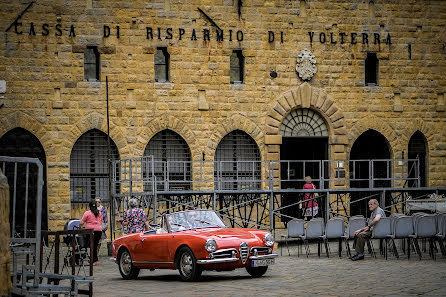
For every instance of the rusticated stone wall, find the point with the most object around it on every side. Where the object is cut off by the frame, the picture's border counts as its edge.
(46, 92)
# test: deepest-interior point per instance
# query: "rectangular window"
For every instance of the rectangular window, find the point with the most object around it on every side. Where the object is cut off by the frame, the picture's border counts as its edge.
(236, 67)
(91, 64)
(161, 65)
(371, 69)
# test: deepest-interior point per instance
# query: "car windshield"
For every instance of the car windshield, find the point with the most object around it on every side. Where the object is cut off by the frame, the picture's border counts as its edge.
(193, 219)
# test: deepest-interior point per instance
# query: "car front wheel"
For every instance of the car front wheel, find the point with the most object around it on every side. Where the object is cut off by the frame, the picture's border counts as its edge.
(126, 268)
(187, 265)
(257, 271)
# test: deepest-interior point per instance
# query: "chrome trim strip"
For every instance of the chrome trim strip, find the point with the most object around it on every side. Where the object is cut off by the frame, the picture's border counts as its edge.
(224, 250)
(217, 261)
(150, 262)
(260, 247)
(260, 257)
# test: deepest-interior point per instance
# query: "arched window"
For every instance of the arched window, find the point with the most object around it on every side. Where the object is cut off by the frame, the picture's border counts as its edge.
(370, 145)
(89, 175)
(417, 150)
(172, 160)
(237, 162)
(21, 143)
(303, 122)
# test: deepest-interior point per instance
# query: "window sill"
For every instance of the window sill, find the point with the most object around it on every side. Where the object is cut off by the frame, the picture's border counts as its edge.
(164, 85)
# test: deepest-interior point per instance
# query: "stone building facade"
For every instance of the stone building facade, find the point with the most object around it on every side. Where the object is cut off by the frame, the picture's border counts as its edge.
(45, 91)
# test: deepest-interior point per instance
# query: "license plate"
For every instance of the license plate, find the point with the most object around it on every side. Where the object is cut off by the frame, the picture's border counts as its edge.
(263, 262)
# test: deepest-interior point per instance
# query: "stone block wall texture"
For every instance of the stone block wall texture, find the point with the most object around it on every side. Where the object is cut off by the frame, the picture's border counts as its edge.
(46, 92)
(5, 257)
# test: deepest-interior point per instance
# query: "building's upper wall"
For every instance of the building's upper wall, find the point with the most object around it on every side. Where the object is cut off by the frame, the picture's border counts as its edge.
(45, 74)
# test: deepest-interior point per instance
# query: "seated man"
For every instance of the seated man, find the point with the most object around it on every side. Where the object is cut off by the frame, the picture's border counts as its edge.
(363, 234)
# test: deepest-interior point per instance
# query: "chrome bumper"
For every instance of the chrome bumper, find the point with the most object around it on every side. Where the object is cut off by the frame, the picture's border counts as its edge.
(218, 261)
(261, 257)
(230, 260)
(113, 259)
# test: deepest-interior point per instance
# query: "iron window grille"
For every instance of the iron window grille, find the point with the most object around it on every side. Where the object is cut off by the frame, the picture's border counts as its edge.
(237, 163)
(91, 64)
(162, 65)
(172, 162)
(236, 67)
(89, 170)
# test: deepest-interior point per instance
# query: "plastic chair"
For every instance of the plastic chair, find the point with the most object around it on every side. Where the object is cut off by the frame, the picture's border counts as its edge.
(314, 230)
(295, 230)
(355, 223)
(334, 229)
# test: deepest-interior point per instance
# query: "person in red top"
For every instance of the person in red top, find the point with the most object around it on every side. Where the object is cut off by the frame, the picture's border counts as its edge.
(310, 208)
(92, 219)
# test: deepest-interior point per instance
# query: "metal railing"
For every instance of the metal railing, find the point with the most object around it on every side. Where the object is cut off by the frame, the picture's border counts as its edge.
(138, 175)
(262, 194)
(22, 240)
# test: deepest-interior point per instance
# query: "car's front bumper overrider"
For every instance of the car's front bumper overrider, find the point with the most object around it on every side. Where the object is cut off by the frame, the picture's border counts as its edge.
(235, 259)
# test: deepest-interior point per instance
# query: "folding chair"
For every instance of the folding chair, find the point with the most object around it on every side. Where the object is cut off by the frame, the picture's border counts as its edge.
(334, 229)
(314, 230)
(402, 229)
(424, 227)
(355, 223)
(295, 230)
(441, 232)
(381, 231)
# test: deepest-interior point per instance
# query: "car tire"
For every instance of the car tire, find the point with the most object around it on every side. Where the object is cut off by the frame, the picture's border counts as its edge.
(187, 265)
(257, 271)
(126, 268)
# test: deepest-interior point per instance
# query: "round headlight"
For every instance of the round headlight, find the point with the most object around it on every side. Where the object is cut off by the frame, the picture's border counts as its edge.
(268, 239)
(210, 245)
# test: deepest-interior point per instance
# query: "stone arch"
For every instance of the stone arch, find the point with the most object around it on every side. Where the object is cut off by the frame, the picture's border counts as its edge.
(98, 121)
(378, 125)
(419, 125)
(306, 96)
(152, 127)
(235, 122)
(20, 119)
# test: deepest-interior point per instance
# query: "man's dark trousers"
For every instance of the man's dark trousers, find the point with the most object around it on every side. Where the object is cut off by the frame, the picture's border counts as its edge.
(360, 240)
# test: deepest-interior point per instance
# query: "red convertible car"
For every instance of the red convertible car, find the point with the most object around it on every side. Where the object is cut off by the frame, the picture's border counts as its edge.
(193, 241)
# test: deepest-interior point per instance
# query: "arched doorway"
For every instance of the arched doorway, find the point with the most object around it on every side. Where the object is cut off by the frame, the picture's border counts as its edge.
(230, 171)
(21, 143)
(172, 161)
(370, 145)
(417, 150)
(89, 171)
(304, 144)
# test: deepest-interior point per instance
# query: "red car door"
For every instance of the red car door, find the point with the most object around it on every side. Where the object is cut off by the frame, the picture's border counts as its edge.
(153, 248)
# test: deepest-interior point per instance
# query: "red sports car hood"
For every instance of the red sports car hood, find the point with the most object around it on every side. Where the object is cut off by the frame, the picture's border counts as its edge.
(227, 233)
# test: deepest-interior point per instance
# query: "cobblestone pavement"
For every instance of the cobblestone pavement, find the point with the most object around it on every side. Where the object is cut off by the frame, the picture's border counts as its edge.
(290, 276)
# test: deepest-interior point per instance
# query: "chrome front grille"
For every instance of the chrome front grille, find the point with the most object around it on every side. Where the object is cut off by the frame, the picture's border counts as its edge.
(244, 251)
(225, 253)
(260, 250)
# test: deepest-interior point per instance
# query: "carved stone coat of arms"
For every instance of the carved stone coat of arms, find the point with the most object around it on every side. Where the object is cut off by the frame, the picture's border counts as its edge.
(306, 64)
